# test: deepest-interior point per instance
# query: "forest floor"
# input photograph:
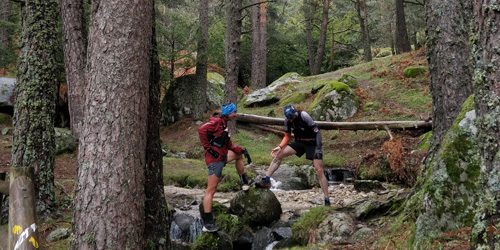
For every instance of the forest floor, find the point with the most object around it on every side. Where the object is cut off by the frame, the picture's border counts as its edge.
(384, 94)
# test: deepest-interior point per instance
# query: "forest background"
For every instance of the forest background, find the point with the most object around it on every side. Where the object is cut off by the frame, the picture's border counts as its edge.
(295, 42)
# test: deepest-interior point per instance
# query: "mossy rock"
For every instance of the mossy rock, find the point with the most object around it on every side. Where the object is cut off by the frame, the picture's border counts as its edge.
(383, 53)
(256, 207)
(216, 79)
(335, 102)
(350, 80)
(219, 240)
(294, 98)
(412, 72)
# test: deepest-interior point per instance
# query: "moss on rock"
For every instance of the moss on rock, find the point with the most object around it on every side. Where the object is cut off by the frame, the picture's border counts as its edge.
(293, 98)
(412, 72)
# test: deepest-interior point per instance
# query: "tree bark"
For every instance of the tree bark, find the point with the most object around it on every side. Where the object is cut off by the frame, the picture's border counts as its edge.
(379, 125)
(109, 204)
(259, 49)
(233, 41)
(322, 39)
(308, 16)
(487, 104)
(156, 220)
(202, 61)
(33, 142)
(5, 11)
(363, 25)
(449, 67)
(75, 52)
(402, 42)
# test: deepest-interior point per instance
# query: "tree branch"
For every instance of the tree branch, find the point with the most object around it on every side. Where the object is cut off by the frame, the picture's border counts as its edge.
(253, 4)
(415, 2)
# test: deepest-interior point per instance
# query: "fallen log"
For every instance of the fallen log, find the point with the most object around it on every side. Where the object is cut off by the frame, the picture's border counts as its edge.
(378, 125)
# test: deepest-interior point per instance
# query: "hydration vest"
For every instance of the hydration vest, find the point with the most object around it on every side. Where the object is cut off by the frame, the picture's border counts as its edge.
(300, 129)
(219, 141)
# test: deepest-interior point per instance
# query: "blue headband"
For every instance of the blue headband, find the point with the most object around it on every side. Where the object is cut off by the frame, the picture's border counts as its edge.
(228, 109)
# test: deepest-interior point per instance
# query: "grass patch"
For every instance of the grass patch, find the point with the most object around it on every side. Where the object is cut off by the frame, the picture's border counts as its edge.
(187, 173)
(191, 173)
(310, 220)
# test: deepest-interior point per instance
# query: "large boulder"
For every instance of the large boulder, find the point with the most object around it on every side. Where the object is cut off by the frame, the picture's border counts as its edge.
(267, 95)
(215, 90)
(336, 228)
(256, 207)
(260, 97)
(291, 177)
(182, 98)
(7, 95)
(335, 102)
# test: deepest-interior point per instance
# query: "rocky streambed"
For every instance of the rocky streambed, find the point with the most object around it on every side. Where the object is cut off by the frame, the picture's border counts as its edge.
(355, 203)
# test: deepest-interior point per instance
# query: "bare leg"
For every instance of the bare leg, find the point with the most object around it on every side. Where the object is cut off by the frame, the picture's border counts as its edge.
(240, 166)
(212, 183)
(323, 183)
(275, 164)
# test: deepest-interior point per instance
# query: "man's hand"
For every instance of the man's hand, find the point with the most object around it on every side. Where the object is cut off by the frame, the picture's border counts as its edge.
(214, 153)
(247, 155)
(276, 151)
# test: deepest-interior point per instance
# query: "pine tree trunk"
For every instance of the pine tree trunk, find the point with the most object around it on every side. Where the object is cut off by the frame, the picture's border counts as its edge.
(487, 102)
(449, 67)
(156, 221)
(402, 42)
(5, 11)
(75, 52)
(233, 33)
(318, 62)
(109, 204)
(259, 36)
(202, 62)
(308, 16)
(35, 94)
(367, 53)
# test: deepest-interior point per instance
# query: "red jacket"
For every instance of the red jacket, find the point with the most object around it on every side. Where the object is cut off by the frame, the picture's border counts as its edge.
(216, 126)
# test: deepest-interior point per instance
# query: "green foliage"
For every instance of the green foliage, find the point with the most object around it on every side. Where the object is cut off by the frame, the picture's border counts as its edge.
(308, 221)
(412, 72)
(4, 119)
(206, 241)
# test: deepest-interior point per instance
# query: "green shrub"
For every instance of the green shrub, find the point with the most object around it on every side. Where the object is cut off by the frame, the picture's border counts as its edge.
(310, 220)
(412, 72)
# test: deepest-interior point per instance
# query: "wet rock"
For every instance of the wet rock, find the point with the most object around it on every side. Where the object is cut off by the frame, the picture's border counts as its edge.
(262, 239)
(256, 207)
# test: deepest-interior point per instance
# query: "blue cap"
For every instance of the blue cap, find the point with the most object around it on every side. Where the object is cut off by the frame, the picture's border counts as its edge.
(228, 109)
(289, 112)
